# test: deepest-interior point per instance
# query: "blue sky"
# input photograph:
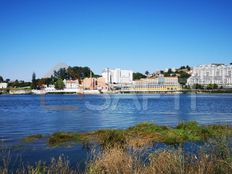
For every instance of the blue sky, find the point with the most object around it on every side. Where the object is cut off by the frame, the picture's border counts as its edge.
(135, 34)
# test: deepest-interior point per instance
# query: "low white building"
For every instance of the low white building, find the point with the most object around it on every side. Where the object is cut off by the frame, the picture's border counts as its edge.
(219, 74)
(71, 84)
(117, 76)
(3, 85)
(50, 88)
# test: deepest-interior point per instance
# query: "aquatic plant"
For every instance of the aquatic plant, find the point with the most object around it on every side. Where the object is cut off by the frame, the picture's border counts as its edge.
(214, 157)
(33, 138)
(141, 135)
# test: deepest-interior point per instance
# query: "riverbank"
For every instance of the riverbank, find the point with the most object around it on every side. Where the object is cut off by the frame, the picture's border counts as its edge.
(97, 92)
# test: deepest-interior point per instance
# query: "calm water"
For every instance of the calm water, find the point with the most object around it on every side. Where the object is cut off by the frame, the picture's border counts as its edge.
(22, 115)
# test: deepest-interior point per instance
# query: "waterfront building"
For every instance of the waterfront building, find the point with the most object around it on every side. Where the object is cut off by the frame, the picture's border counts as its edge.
(117, 76)
(3, 85)
(94, 84)
(49, 88)
(219, 74)
(71, 84)
(157, 84)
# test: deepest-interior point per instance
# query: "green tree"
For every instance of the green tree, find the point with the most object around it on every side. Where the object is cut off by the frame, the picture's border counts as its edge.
(182, 67)
(197, 86)
(183, 77)
(1, 79)
(59, 84)
(74, 73)
(147, 73)
(33, 81)
(170, 71)
(215, 86)
(188, 68)
(138, 75)
(61, 74)
(212, 86)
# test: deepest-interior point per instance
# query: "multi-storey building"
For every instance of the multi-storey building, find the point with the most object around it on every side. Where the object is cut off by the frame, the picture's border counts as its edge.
(117, 76)
(219, 74)
(94, 84)
(156, 84)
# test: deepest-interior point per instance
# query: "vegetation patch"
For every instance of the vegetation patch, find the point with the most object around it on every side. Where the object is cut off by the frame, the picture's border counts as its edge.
(62, 137)
(141, 135)
(32, 138)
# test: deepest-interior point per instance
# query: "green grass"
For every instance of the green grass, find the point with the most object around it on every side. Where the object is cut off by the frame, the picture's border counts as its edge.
(141, 134)
(59, 138)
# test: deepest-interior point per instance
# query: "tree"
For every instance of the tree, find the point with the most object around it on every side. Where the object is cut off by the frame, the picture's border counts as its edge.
(147, 73)
(170, 71)
(197, 86)
(59, 84)
(1, 79)
(182, 67)
(61, 74)
(73, 73)
(188, 68)
(183, 77)
(33, 82)
(212, 86)
(138, 75)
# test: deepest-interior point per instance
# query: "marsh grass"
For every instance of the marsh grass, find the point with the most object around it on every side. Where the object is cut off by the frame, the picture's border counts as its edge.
(32, 138)
(114, 155)
(141, 135)
(214, 157)
(165, 161)
(59, 138)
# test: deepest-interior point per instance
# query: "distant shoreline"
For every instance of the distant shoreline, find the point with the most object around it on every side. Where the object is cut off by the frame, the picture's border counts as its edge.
(28, 92)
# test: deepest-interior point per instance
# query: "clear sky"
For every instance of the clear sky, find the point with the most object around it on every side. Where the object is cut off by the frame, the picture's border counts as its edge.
(140, 35)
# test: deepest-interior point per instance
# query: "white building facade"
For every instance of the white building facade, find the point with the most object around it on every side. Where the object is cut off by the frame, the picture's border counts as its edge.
(71, 84)
(219, 74)
(3, 85)
(117, 76)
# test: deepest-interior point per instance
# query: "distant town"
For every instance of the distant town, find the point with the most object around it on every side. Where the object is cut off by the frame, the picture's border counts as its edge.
(82, 80)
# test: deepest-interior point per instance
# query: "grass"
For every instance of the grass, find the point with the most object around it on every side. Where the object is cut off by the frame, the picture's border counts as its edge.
(142, 134)
(117, 156)
(59, 138)
(170, 161)
(114, 160)
(32, 138)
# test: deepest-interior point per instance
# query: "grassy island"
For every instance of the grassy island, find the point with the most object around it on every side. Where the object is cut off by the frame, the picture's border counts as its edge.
(140, 135)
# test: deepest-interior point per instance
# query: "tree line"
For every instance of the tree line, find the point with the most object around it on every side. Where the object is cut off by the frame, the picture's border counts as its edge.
(70, 73)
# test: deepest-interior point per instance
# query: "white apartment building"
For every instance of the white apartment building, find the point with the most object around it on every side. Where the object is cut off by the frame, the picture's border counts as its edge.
(3, 85)
(219, 74)
(117, 76)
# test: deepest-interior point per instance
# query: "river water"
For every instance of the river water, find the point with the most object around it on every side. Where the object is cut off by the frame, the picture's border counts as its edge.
(23, 115)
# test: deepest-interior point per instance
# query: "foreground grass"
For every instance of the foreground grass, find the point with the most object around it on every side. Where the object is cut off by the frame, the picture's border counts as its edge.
(123, 151)
(141, 135)
(213, 158)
